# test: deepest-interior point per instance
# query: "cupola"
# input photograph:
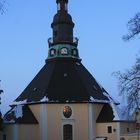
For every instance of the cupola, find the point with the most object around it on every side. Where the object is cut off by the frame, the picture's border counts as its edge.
(62, 43)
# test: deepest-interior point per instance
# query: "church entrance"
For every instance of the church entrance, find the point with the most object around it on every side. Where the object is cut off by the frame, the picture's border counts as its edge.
(67, 132)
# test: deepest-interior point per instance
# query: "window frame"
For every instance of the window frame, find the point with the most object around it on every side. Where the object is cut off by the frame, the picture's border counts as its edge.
(109, 129)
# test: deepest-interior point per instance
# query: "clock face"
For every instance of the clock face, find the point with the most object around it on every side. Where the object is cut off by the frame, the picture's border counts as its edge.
(67, 111)
(64, 51)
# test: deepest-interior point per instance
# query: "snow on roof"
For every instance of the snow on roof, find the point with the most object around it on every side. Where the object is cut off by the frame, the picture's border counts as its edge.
(14, 114)
(98, 101)
(20, 114)
(18, 111)
(115, 113)
(107, 95)
(44, 99)
(19, 102)
(119, 113)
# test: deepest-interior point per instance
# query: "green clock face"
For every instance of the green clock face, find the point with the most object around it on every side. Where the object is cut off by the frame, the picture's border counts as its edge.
(67, 111)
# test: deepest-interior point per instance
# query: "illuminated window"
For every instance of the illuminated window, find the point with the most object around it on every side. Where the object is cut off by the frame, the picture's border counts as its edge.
(67, 111)
(67, 132)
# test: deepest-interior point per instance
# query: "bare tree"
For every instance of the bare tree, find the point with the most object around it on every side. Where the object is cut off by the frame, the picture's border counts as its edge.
(133, 27)
(2, 6)
(129, 86)
(129, 81)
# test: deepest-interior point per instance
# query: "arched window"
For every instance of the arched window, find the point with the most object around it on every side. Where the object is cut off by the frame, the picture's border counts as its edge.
(67, 132)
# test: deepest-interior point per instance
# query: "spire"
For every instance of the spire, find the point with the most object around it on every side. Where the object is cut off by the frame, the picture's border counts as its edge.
(62, 43)
(62, 25)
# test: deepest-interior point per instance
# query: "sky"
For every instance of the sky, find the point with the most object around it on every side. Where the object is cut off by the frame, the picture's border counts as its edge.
(99, 25)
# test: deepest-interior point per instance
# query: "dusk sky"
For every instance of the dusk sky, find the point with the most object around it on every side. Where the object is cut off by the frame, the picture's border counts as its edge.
(99, 25)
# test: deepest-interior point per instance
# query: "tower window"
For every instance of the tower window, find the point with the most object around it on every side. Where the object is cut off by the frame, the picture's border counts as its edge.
(55, 33)
(67, 132)
(74, 52)
(58, 7)
(52, 52)
(109, 129)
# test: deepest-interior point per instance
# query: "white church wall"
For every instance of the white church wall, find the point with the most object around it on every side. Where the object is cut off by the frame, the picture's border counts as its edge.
(110, 130)
(28, 132)
(51, 119)
(52, 114)
(94, 110)
(21, 132)
(11, 132)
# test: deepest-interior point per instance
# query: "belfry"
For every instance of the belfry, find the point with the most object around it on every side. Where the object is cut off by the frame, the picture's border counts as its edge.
(64, 101)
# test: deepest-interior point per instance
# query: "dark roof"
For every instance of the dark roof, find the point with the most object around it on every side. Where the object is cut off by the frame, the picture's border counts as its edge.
(63, 80)
(21, 115)
(106, 114)
(113, 113)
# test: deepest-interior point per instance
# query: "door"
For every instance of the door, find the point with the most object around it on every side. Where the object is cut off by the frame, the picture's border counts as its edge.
(67, 132)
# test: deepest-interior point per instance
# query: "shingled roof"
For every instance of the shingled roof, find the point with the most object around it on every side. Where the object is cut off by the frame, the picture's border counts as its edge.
(20, 114)
(63, 80)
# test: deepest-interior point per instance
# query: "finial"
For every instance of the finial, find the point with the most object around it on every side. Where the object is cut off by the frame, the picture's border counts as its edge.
(62, 5)
(58, 1)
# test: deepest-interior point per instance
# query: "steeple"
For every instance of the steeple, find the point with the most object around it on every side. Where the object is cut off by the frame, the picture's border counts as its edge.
(62, 25)
(62, 33)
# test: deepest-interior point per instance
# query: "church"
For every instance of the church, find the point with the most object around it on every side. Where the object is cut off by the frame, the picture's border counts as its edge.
(64, 101)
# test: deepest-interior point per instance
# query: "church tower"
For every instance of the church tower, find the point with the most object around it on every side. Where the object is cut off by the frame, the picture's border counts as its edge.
(63, 101)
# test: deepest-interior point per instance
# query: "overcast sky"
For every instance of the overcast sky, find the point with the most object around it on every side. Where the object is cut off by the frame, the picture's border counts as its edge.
(99, 25)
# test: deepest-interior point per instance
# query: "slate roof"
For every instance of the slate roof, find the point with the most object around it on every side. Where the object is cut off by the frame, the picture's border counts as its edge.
(20, 115)
(106, 114)
(63, 80)
(113, 113)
